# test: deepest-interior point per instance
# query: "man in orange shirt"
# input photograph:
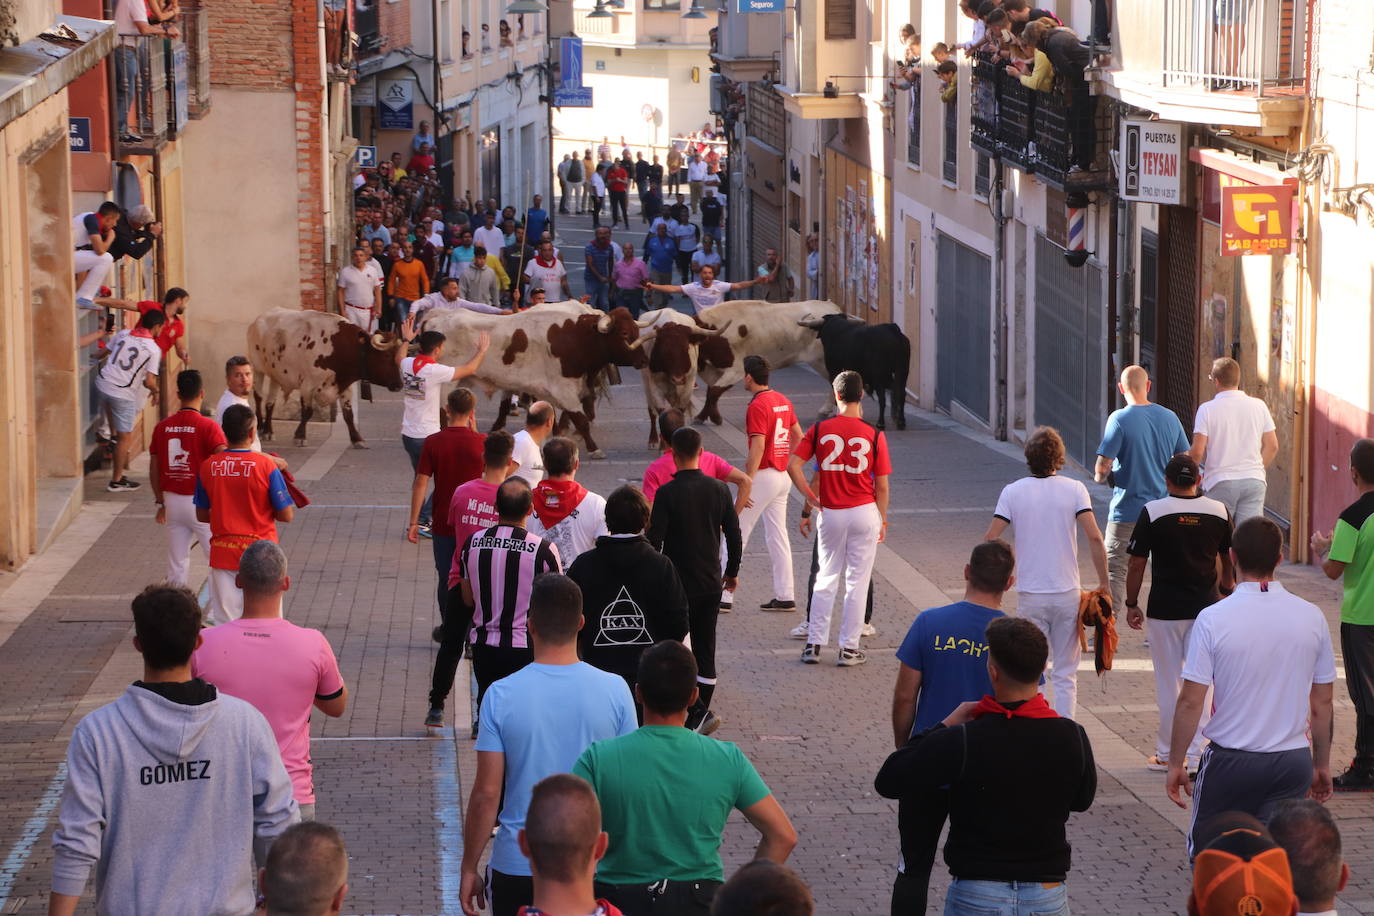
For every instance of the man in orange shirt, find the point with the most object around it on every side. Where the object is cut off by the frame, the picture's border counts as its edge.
(408, 281)
(242, 495)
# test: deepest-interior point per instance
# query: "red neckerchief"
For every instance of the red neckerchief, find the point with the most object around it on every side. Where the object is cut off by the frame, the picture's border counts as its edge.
(539, 259)
(603, 908)
(1035, 708)
(420, 362)
(555, 500)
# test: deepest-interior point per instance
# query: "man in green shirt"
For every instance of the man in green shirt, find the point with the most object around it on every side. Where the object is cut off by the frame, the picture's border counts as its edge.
(665, 794)
(1349, 551)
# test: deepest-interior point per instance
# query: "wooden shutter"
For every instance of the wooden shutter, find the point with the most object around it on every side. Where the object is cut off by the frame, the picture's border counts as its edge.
(840, 19)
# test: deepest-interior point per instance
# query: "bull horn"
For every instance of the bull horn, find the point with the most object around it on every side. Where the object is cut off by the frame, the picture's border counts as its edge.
(812, 322)
(647, 324)
(642, 340)
(379, 341)
(604, 324)
(720, 330)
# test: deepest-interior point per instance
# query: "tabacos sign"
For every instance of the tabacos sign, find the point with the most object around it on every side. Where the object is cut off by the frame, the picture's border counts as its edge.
(1256, 219)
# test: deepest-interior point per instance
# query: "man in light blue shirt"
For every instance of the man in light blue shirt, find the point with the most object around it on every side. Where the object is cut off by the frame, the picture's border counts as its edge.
(1139, 441)
(535, 723)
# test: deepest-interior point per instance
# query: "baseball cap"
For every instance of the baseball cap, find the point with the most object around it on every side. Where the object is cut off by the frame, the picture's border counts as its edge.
(1239, 870)
(1182, 470)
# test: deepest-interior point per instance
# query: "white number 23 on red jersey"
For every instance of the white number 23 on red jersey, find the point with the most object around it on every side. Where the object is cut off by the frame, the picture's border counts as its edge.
(858, 461)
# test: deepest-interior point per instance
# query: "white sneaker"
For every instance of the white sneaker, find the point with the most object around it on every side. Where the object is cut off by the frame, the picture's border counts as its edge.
(868, 630)
(799, 631)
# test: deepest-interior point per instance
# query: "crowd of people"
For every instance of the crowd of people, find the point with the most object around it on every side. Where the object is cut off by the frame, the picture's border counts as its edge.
(591, 622)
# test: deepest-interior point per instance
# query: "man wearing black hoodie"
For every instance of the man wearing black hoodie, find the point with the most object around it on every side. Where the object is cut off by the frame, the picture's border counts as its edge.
(993, 866)
(631, 594)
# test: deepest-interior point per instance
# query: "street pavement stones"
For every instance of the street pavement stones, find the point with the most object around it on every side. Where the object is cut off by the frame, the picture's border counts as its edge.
(817, 734)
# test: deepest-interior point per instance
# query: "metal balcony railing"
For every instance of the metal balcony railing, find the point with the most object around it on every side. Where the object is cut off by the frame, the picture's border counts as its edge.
(1251, 46)
(149, 111)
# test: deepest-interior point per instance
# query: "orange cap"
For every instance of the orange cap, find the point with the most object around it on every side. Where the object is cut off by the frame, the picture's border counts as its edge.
(1241, 871)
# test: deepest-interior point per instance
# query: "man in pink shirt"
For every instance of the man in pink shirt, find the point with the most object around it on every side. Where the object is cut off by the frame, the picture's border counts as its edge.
(472, 509)
(712, 465)
(283, 670)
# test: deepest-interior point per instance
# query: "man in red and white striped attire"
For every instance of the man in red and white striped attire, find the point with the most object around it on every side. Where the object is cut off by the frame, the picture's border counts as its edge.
(499, 566)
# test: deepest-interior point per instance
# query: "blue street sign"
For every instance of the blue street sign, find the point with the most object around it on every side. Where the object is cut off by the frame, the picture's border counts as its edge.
(570, 63)
(579, 97)
(365, 157)
(79, 134)
(760, 6)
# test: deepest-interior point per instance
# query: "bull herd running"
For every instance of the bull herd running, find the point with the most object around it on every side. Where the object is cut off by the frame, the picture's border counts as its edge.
(567, 353)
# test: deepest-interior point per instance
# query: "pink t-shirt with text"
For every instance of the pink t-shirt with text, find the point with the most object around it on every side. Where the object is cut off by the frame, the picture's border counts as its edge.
(280, 669)
(473, 509)
(662, 471)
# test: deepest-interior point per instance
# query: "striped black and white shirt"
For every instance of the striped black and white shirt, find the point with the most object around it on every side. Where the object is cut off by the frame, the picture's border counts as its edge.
(500, 564)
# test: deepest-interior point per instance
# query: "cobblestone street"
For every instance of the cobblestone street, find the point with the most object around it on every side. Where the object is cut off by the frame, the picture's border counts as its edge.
(816, 734)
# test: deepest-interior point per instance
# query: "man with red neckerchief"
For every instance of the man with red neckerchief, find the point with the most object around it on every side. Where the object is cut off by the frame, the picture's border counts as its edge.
(563, 840)
(1021, 870)
(565, 512)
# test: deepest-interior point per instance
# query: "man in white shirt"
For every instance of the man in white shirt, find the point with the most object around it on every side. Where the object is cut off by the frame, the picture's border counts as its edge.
(1234, 441)
(547, 271)
(92, 236)
(131, 367)
(529, 442)
(422, 380)
(489, 236)
(696, 178)
(360, 291)
(565, 512)
(1267, 656)
(706, 290)
(1308, 833)
(1046, 512)
(447, 297)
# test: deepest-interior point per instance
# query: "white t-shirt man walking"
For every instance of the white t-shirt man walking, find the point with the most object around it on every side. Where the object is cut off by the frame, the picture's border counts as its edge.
(1046, 512)
(1234, 441)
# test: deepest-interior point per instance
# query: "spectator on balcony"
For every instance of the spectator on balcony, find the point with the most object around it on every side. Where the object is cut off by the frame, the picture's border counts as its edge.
(503, 27)
(467, 42)
(93, 234)
(971, 9)
(999, 37)
(424, 136)
(948, 73)
(131, 21)
(1041, 75)
(160, 12)
(1070, 59)
(1021, 11)
(486, 37)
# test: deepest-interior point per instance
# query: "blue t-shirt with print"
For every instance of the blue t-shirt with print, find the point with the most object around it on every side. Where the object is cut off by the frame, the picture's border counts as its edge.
(948, 645)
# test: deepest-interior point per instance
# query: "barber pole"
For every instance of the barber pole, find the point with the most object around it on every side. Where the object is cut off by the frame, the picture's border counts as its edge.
(1076, 208)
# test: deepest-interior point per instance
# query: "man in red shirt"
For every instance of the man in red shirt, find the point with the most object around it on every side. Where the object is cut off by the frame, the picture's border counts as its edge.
(180, 444)
(242, 495)
(421, 162)
(452, 456)
(773, 431)
(472, 508)
(617, 186)
(173, 305)
(853, 469)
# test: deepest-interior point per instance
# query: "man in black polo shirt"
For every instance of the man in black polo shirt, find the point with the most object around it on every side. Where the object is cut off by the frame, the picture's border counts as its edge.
(1007, 849)
(712, 215)
(690, 514)
(1183, 535)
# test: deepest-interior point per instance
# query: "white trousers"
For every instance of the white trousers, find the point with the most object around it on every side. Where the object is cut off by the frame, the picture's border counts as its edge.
(769, 498)
(847, 542)
(96, 267)
(226, 600)
(183, 530)
(362, 317)
(1168, 646)
(1056, 614)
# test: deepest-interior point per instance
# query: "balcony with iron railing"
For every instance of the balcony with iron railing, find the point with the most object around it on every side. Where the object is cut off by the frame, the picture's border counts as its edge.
(1234, 62)
(171, 84)
(1033, 131)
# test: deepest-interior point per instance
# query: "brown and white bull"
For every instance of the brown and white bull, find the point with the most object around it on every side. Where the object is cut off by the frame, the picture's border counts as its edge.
(556, 354)
(321, 356)
(674, 351)
(767, 329)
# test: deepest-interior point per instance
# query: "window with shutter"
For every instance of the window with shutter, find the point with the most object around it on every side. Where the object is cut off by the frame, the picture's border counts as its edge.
(840, 19)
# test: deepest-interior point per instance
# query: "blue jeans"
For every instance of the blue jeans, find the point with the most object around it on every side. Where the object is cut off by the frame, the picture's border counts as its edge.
(413, 447)
(599, 290)
(1006, 898)
(632, 299)
(126, 84)
(1242, 498)
(715, 232)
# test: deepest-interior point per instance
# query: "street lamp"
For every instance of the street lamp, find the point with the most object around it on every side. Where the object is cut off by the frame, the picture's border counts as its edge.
(526, 6)
(695, 11)
(600, 12)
